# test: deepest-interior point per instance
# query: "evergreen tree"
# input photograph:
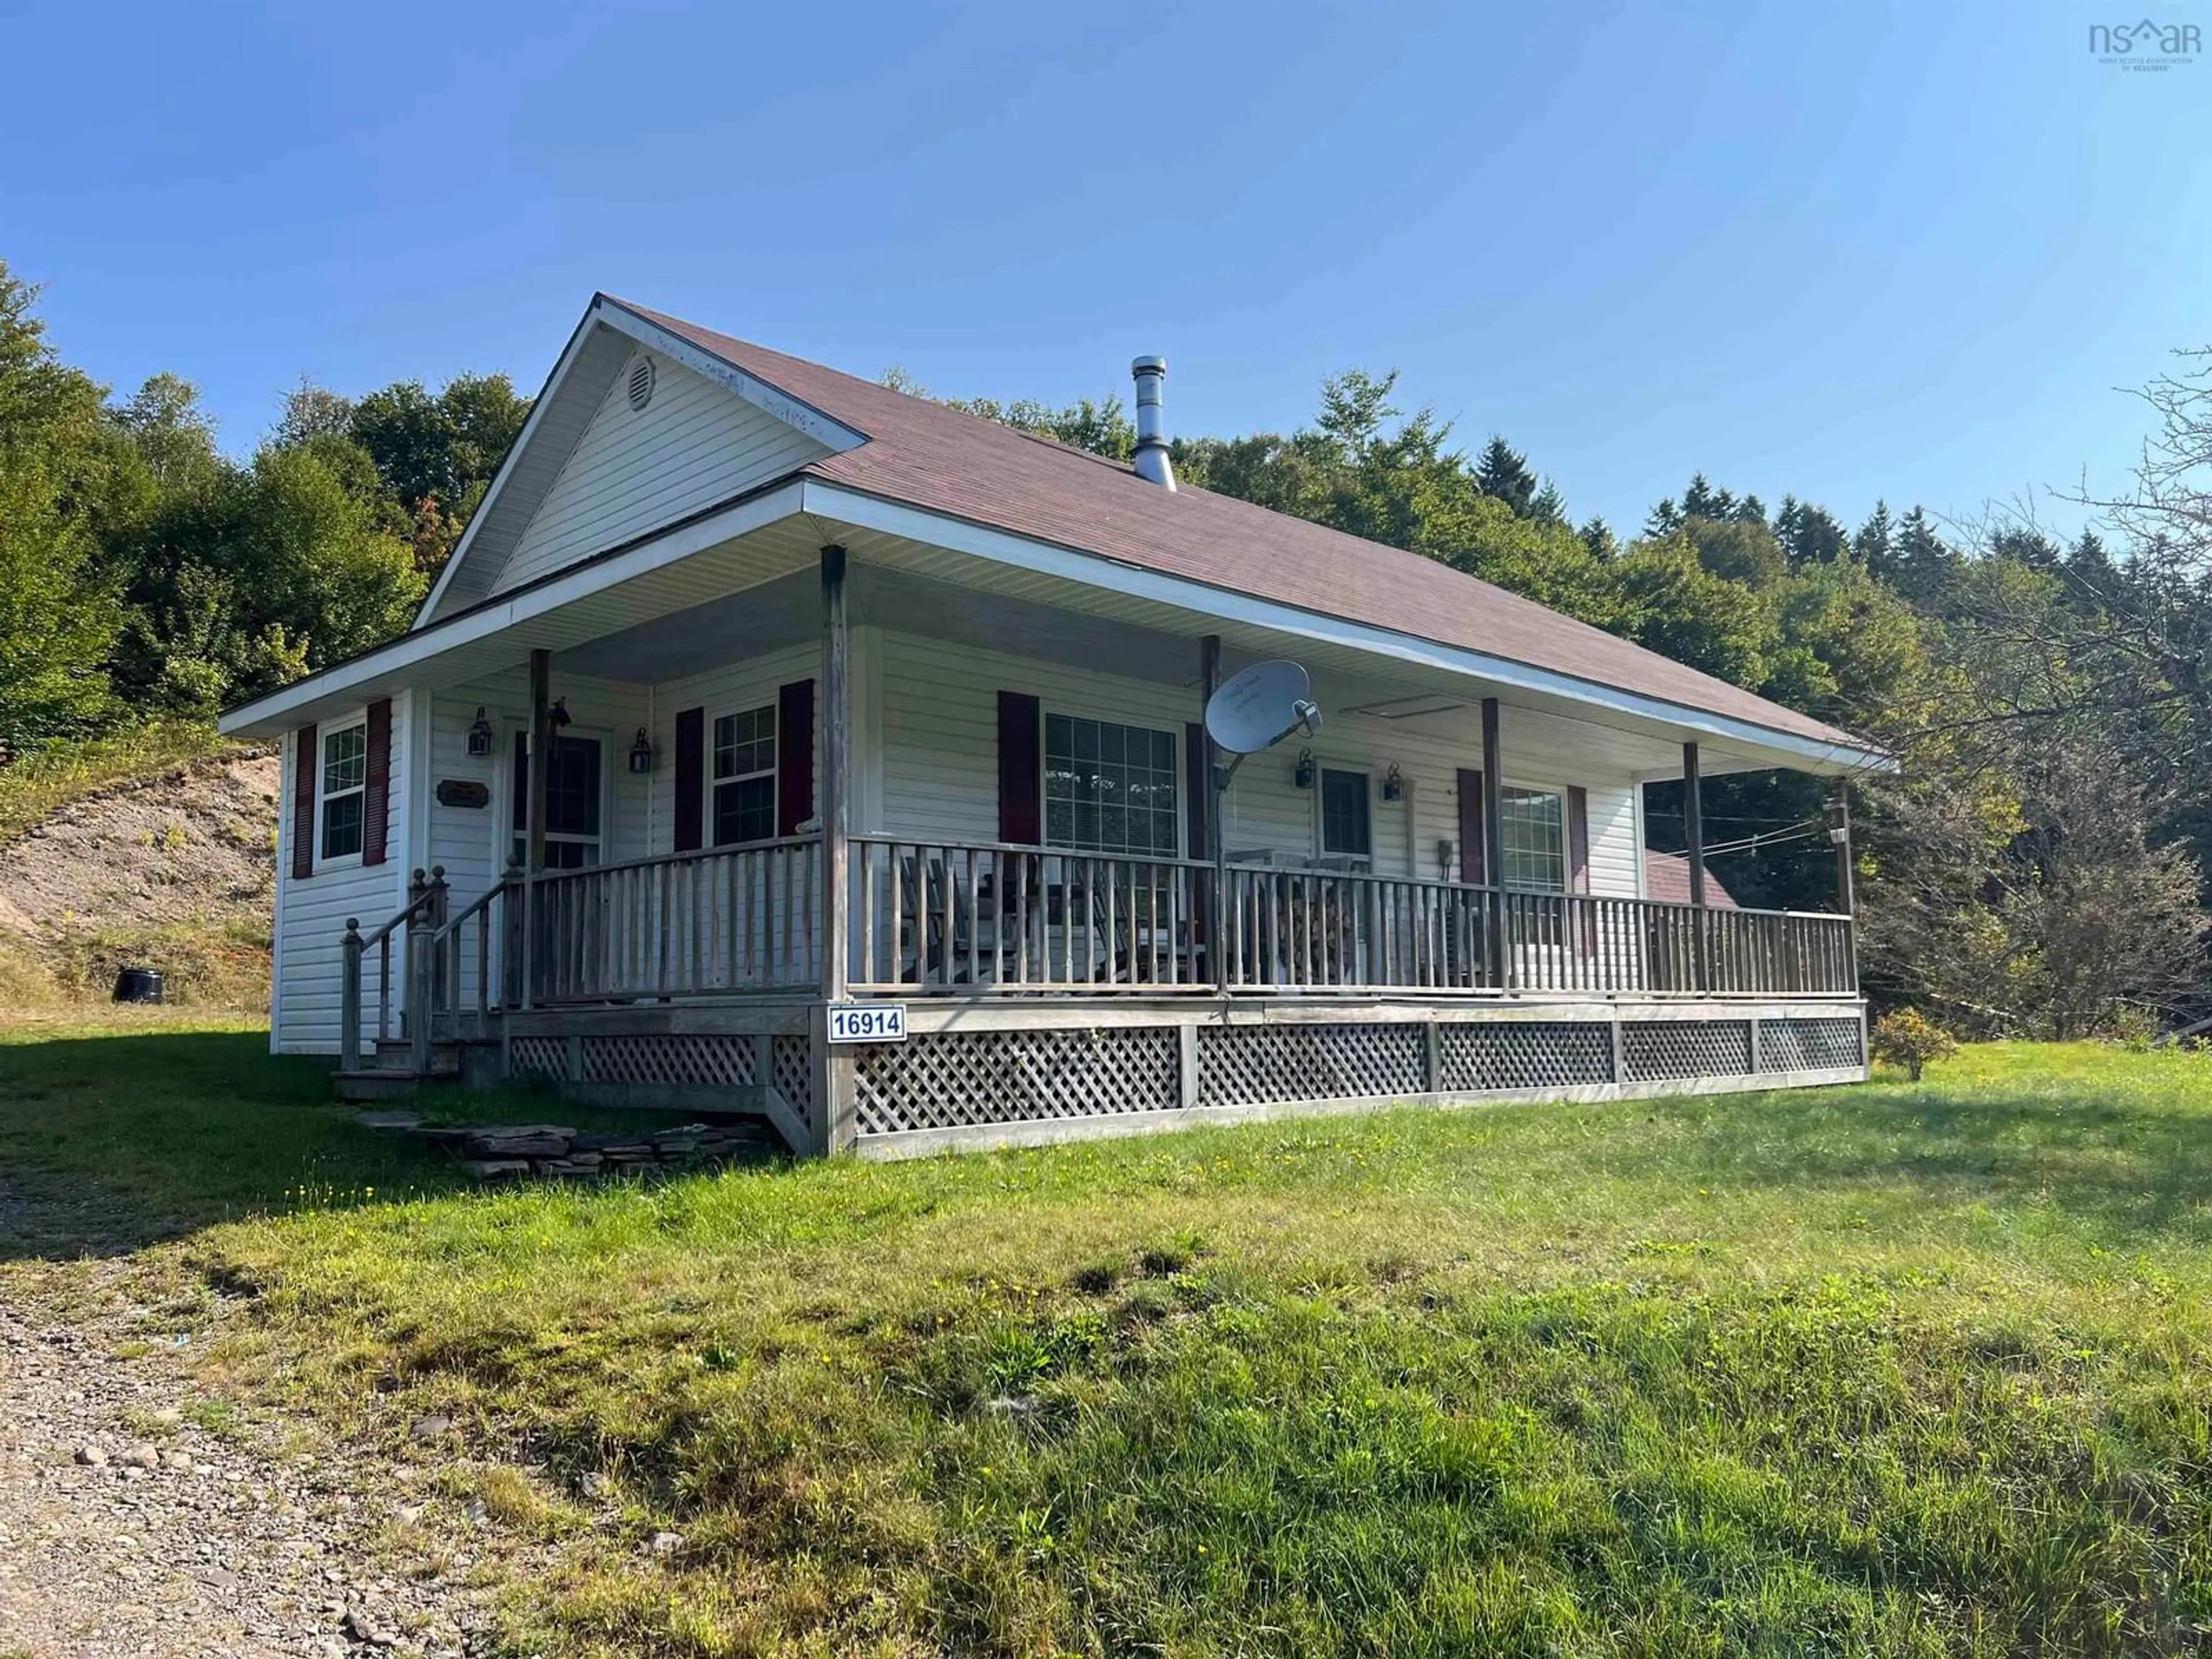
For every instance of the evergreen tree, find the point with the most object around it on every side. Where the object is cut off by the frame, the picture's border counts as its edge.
(1503, 474)
(1808, 534)
(1702, 501)
(1875, 546)
(1925, 563)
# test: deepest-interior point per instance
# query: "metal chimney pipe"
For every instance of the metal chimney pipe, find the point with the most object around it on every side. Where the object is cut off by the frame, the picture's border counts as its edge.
(1150, 459)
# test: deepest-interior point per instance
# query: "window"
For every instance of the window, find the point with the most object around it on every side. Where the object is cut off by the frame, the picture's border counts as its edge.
(744, 776)
(344, 790)
(1346, 827)
(573, 793)
(1536, 840)
(1108, 788)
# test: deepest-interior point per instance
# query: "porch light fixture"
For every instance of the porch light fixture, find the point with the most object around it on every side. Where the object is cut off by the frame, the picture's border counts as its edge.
(1304, 777)
(641, 753)
(1394, 783)
(560, 712)
(480, 736)
(1839, 821)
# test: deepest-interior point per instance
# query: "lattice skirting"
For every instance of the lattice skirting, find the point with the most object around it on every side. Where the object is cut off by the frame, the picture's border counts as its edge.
(1534, 1054)
(543, 1057)
(702, 1061)
(1808, 1045)
(793, 1065)
(669, 1059)
(1011, 1075)
(1249, 1064)
(947, 1080)
(1653, 1050)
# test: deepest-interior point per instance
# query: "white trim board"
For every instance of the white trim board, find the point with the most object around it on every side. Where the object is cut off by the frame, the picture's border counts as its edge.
(770, 399)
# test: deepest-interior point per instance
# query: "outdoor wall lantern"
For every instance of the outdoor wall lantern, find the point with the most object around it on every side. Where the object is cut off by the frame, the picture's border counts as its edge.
(1839, 821)
(641, 753)
(480, 736)
(1394, 783)
(560, 712)
(1304, 777)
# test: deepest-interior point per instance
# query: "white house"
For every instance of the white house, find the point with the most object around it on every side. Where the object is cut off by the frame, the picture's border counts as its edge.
(853, 699)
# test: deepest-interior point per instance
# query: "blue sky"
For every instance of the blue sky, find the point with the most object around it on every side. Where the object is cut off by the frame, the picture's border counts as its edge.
(1849, 252)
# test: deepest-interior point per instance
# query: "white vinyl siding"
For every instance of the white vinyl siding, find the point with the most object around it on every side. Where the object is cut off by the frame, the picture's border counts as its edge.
(311, 914)
(939, 742)
(733, 690)
(695, 445)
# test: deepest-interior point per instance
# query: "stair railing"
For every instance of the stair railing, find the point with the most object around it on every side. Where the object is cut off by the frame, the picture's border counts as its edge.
(444, 948)
(424, 892)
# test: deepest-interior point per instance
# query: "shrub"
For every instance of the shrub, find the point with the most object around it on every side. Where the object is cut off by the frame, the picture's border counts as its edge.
(1909, 1038)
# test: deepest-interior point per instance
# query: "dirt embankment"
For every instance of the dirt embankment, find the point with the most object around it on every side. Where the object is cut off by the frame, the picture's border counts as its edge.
(176, 870)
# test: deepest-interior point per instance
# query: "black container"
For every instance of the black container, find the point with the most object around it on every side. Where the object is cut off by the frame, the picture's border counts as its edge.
(138, 985)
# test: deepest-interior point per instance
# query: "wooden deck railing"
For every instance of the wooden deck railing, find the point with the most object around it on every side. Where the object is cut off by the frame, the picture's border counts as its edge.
(984, 919)
(685, 924)
(979, 918)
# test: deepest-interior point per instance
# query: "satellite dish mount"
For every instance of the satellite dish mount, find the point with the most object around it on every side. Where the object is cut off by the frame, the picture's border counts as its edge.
(1252, 711)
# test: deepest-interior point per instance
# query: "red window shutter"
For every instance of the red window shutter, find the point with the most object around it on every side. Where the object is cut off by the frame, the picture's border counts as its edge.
(376, 799)
(795, 757)
(1021, 770)
(1471, 862)
(690, 780)
(304, 762)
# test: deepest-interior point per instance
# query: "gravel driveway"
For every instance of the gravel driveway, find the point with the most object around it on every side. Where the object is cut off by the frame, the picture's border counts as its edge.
(139, 1517)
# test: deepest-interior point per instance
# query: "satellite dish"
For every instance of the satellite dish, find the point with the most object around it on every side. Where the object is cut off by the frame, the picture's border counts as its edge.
(1260, 707)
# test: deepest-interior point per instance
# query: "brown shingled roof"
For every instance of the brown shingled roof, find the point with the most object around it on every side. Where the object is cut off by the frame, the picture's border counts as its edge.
(923, 454)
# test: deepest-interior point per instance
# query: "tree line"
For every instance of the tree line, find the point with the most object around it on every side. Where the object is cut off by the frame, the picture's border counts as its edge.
(2035, 867)
(144, 572)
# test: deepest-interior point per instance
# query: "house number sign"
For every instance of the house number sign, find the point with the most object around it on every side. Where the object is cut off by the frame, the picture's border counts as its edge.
(464, 792)
(867, 1022)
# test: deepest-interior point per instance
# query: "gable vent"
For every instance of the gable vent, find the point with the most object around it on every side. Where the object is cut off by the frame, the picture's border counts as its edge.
(640, 383)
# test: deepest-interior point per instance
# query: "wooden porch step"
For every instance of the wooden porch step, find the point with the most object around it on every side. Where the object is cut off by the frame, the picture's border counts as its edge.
(368, 1085)
(398, 1054)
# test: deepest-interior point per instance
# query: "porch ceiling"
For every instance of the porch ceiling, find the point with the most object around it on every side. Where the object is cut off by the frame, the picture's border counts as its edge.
(739, 548)
(787, 612)
(931, 590)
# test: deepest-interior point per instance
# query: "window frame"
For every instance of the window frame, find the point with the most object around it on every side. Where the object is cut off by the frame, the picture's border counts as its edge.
(517, 826)
(1551, 791)
(1046, 714)
(1366, 777)
(773, 772)
(325, 794)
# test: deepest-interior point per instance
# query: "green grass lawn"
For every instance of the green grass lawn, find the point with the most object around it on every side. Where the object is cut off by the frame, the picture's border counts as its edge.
(1895, 1369)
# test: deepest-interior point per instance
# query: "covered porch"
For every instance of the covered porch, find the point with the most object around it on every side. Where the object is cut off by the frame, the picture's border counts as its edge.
(804, 755)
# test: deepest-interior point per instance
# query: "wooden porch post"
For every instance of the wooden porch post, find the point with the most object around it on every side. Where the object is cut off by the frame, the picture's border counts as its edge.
(1693, 830)
(541, 746)
(1209, 682)
(1841, 833)
(834, 1132)
(1209, 842)
(1493, 836)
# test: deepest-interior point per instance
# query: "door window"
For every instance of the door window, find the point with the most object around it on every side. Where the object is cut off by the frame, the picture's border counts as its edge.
(573, 796)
